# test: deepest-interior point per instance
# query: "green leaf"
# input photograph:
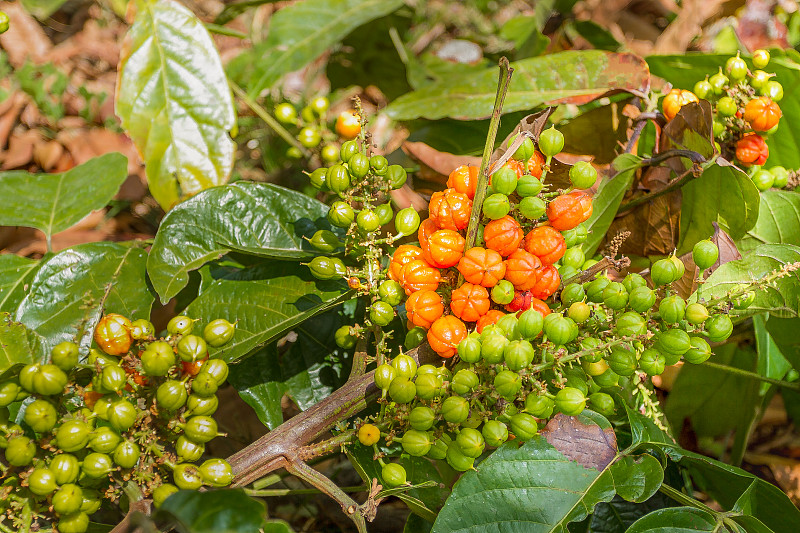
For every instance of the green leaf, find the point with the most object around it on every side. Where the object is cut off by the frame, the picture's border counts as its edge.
(174, 102)
(234, 9)
(15, 275)
(778, 221)
(54, 202)
(599, 37)
(527, 37)
(714, 400)
(18, 344)
(532, 488)
(722, 193)
(771, 362)
(637, 478)
(574, 76)
(684, 70)
(675, 520)
(734, 488)
(265, 300)
(276, 526)
(63, 303)
(608, 199)
(302, 365)
(783, 332)
(300, 33)
(259, 219)
(42, 9)
(618, 515)
(215, 511)
(605, 121)
(781, 299)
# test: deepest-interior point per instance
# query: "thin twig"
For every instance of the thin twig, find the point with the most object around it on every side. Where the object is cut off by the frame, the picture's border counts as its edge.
(675, 184)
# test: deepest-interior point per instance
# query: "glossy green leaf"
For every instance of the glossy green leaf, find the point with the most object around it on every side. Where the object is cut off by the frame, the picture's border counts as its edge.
(738, 490)
(276, 526)
(63, 303)
(54, 202)
(215, 511)
(254, 218)
(532, 488)
(644, 431)
(301, 32)
(781, 299)
(637, 477)
(265, 301)
(599, 37)
(684, 70)
(234, 9)
(174, 102)
(618, 515)
(302, 364)
(574, 76)
(15, 275)
(18, 344)
(608, 199)
(778, 221)
(724, 194)
(675, 520)
(527, 37)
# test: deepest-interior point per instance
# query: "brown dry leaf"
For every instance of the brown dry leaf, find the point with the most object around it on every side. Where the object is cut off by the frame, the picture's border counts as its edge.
(727, 248)
(692, 15)
(9, 112)
(442, 163)
(85, 144)
(20, 148)
(48, 154)
(589, 445)
(688, 283)
(25, 38)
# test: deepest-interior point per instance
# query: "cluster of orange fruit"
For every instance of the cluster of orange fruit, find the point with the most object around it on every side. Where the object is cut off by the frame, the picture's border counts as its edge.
(516, 267)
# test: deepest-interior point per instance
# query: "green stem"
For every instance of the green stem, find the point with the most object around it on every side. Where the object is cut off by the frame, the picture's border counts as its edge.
(268, 481)
(753, 375)
(270, 493)
(268, 119)
(483, 176)
(685, 499)
(222, 30)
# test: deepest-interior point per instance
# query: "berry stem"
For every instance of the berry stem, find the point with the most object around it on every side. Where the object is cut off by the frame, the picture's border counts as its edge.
(753, 375)
(270, 493)
(483, 176)
(266, 117)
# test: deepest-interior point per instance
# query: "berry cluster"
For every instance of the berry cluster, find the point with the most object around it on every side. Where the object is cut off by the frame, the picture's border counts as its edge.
(512, 375)
(746, 110)
(139, 409)
(312, 131)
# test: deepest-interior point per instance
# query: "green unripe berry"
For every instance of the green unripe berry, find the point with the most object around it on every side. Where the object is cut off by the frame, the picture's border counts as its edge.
(570, 401)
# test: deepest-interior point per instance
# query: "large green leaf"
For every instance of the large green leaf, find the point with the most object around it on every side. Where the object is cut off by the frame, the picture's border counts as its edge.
(216, 511)
(301, 32)
(608, 199)
(575, 76)
(771, 361)
(676, 520)
(18, 344)
(259, 219)
(722, 193)
(684, 70)
(781, 298)
(15, 275)
(617, 515)
(63, 303)
(265, 301)
(527, 489)
(304, 365)
(716, 401)
(174, 102)
(637, 477)
(778, 220)
(54, 202)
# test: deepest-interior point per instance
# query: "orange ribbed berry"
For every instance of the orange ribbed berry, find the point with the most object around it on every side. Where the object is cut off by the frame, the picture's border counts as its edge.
(450, 209)
(403, 255)
(418, 275)
(464, 179)
(482, 267)
(423, 308)
(445, 248)
(469, 302)
(503, 235)
(762, 113)
(491, 317)
(547, 283)
(568, 210)
(545, 243)
(445, 335)
(522, 269)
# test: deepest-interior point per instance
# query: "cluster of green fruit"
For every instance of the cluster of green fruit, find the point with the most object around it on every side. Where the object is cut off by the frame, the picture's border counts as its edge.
(512, 376)
(362, 184)
(311, 129)
(139, 408)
